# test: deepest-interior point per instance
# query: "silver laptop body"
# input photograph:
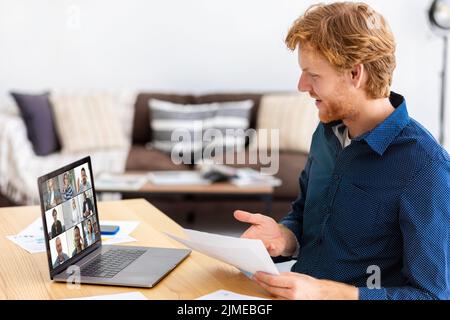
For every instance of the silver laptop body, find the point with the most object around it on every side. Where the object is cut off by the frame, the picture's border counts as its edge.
(74, 247)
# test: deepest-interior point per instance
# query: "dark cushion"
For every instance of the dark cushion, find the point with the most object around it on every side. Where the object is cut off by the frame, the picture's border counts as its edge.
(36, 112)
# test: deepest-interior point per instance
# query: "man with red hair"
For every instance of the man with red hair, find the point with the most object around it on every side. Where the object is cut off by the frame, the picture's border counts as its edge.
(372, 220)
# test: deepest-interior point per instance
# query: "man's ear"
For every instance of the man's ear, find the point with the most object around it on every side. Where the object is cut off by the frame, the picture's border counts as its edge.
(357, 75)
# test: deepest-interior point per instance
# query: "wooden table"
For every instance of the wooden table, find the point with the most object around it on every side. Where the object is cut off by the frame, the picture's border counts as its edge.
(26, 276)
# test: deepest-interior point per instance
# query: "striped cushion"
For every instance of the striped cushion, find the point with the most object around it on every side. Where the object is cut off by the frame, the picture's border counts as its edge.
(196, 120)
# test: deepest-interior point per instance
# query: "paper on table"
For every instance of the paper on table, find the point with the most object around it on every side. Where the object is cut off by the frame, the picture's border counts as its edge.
(123, 235)
(32, 245)
(125, 227)
(249, 255)
(227, 295)
(135, 295)
(31, 238)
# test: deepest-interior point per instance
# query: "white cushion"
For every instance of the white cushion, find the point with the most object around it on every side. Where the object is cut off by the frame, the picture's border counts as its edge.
(294, 115)
(87, 122)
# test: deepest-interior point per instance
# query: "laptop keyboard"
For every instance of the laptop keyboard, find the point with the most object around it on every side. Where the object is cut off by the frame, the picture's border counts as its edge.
(110, 263)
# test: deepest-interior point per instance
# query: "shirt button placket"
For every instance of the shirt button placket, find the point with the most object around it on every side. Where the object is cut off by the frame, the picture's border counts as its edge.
(327, 207)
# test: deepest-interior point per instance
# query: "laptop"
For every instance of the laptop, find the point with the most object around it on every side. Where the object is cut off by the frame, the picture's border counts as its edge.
(72, 236)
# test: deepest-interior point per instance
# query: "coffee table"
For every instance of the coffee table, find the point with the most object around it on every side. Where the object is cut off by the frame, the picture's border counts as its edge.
(214, 191)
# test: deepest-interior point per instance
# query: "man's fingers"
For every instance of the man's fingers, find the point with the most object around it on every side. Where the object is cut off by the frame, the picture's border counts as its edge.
(249, 234)
(248, 217)
(279, 281)
(275, 291)
(243, 216)
(271, 249)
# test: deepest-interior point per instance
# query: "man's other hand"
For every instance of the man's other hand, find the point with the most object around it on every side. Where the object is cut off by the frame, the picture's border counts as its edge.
(278, 240)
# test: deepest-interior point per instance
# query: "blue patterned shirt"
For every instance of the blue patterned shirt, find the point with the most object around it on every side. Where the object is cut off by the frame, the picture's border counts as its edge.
(380, 204)
(67, 193)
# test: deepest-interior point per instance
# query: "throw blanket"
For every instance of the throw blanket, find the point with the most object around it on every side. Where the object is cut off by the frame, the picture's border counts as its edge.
(20, 167)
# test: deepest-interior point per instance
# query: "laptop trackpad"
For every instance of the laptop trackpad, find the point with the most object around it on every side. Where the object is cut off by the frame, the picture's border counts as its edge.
(149, 268)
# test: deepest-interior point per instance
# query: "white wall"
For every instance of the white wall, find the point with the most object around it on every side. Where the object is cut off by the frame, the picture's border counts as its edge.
(191, 46)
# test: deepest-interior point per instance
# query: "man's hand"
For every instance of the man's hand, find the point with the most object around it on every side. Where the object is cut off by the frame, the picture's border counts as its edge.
(297, 286)
(277, 239)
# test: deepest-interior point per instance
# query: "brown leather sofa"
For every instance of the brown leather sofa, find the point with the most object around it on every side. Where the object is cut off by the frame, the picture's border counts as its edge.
(141, 158)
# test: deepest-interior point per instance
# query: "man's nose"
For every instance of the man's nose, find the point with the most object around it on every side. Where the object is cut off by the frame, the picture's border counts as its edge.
(303, 84)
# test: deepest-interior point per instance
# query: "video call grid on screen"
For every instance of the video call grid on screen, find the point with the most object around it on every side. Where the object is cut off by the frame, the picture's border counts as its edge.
(70, 214)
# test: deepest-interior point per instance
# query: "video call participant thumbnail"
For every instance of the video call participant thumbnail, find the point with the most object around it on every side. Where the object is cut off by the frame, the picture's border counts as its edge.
(77, 241)
(84, 184)
(88, 207)
(67, 191)
(89, 232)
(61, 256)
(57, 226)
(52, 196)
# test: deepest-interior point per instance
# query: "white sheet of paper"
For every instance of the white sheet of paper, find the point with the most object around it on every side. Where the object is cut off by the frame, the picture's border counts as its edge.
(248, 255)
(123, 235)
(227, 295)
(31, 238)
(135, 295)
(32, 245)
(125, 227)
(285, 266)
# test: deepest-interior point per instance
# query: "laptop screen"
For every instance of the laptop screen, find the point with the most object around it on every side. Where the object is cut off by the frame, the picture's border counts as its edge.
(70, 217)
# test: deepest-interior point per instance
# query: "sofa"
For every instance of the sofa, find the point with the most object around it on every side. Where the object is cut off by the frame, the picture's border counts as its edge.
(142, 158)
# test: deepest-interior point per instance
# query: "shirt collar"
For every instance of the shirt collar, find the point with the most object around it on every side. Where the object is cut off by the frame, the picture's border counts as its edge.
(384, 133)
(380, 137)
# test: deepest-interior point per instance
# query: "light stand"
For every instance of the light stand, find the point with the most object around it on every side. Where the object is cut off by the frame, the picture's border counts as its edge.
(439, 16)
